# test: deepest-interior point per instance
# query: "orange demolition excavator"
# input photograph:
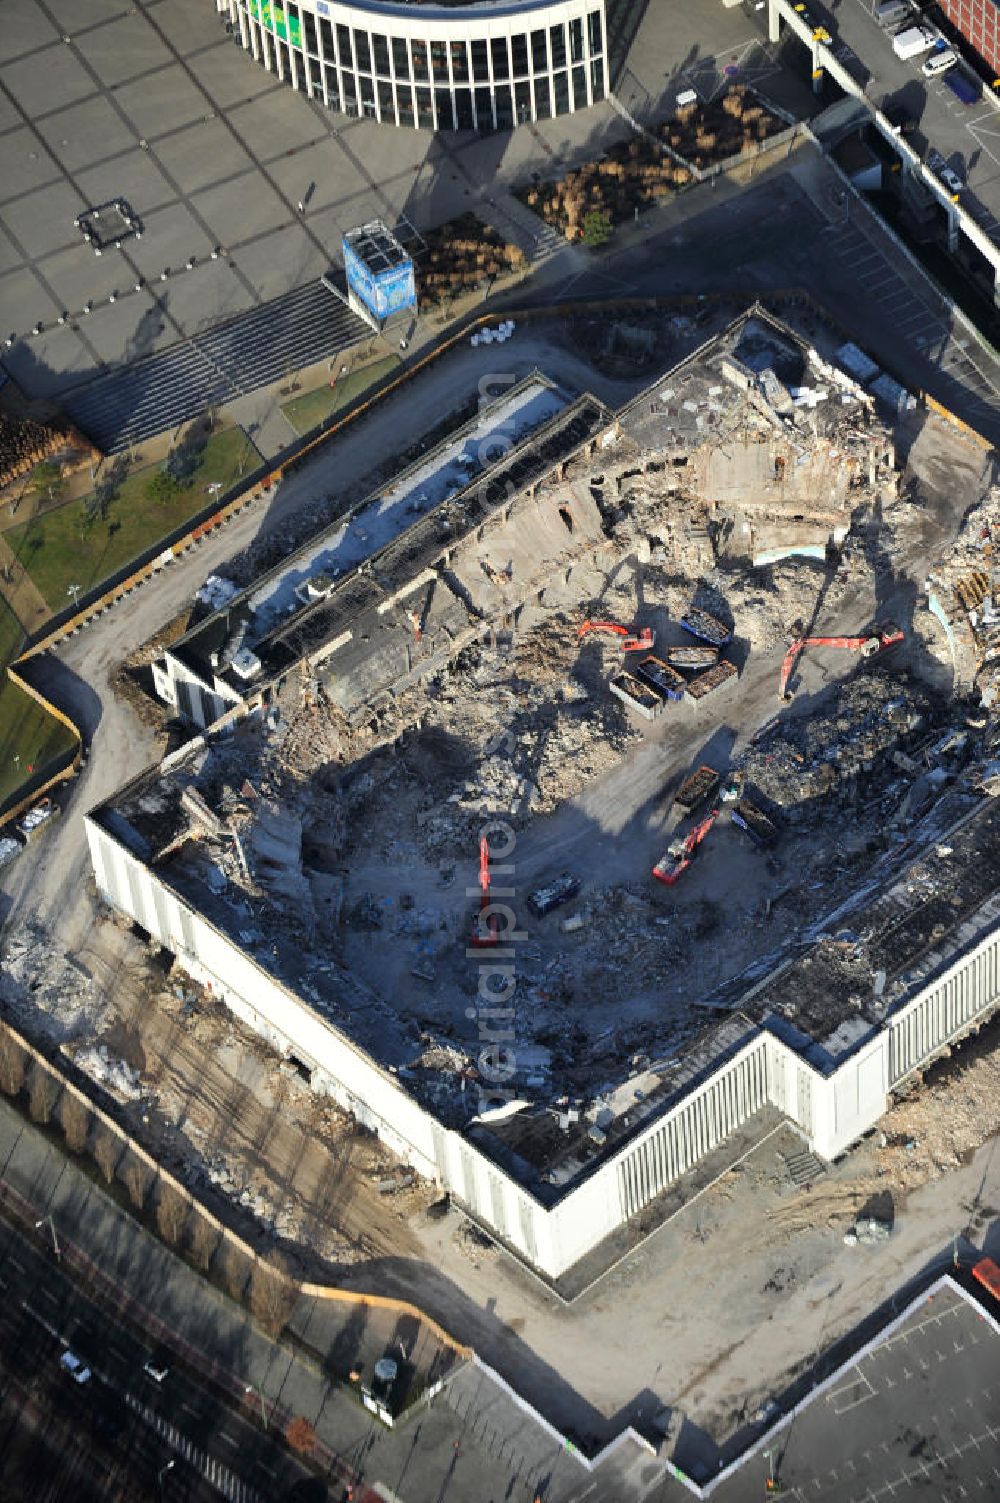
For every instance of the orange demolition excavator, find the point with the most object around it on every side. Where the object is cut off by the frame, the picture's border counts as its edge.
(877, 639)
(632, 639)
(484, 925)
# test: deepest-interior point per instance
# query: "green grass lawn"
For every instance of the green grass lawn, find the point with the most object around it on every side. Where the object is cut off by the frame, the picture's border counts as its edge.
(28, 737)
(63, 548)
(308, 411)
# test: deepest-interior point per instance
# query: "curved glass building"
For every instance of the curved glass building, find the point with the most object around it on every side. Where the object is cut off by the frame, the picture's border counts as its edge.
(468, 65)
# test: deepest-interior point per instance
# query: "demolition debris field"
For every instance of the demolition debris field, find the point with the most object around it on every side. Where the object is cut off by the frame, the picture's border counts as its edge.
(339, 842)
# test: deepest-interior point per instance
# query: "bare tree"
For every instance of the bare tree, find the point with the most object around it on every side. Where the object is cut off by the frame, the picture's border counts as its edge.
(171, 1214)
(204, 1241)
(234, 1269)
(135, 1177)
(107, 1150)
(272, 1294)
(300, 1434)
(12, 1064)
(42, 1093)
(75, 1120)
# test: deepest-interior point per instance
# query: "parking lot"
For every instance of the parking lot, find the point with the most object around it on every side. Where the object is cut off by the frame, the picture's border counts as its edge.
(966, 136)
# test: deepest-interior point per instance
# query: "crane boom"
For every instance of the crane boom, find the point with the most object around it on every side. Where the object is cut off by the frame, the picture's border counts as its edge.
(877, 639)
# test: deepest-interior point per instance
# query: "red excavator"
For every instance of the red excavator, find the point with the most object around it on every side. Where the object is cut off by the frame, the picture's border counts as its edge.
(680, 852)
(633, 640)
(484, 925)
(877, 639)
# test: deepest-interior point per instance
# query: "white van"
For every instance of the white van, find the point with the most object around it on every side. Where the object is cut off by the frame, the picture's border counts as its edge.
(913, 40)
(940, 60)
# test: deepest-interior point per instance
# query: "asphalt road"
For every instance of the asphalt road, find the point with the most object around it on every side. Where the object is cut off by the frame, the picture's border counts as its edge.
(44, 1313)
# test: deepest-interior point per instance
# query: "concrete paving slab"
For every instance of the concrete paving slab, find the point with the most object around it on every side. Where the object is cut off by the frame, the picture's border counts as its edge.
(23, 300)
(26, 163)
(222, 70)
(171, 235)
(134, 176)
(44, 221)
(203, 153)
(85, 133)
(122, 49)
(47, 79)
(9, 114)
(10, 256)
(53, 361)
(267, 261)
(206, 295)
(77, 16)
(162, 101)
(190, 28)
(240, 209)
(274, 123)
(76, 275)
(26, 27)
(333, 175)
(137, 325)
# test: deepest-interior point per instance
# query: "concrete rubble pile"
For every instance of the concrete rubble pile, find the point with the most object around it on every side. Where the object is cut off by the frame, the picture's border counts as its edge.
(839, 753)
(963, 588)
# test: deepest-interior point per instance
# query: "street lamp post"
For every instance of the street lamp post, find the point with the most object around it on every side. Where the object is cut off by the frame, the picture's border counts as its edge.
(163, 1472)
(52, 1228)
(74, 590)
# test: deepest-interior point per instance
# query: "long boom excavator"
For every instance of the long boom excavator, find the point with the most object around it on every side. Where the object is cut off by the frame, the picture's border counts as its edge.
(877, 639)
(633, 639)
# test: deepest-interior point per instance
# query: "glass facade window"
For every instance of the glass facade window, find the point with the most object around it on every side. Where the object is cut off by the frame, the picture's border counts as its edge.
(579, 88)
(480, 62)
(460, 81)
(539, 52)
(464, 117)
(576, 41)
(501, 62)
(439, 61)
(459, 63)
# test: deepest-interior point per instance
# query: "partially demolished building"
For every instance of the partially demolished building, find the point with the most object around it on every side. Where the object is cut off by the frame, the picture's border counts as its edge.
(232, 853)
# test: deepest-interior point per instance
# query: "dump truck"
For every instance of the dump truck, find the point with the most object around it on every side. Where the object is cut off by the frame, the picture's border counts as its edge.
(707, 628)
(704, 684)
(750, 817)
(667, 682)
(696, 788)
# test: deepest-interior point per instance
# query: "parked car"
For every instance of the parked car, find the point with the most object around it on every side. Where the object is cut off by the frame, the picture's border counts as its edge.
(157, 1367)
(37, 818)
(940, 58)
(893, 12)
(945, 174)
(78, 1371)
(544, 899)
(968, 90)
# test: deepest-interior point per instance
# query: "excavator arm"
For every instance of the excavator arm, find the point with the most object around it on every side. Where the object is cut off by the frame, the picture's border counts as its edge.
(869, 644)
